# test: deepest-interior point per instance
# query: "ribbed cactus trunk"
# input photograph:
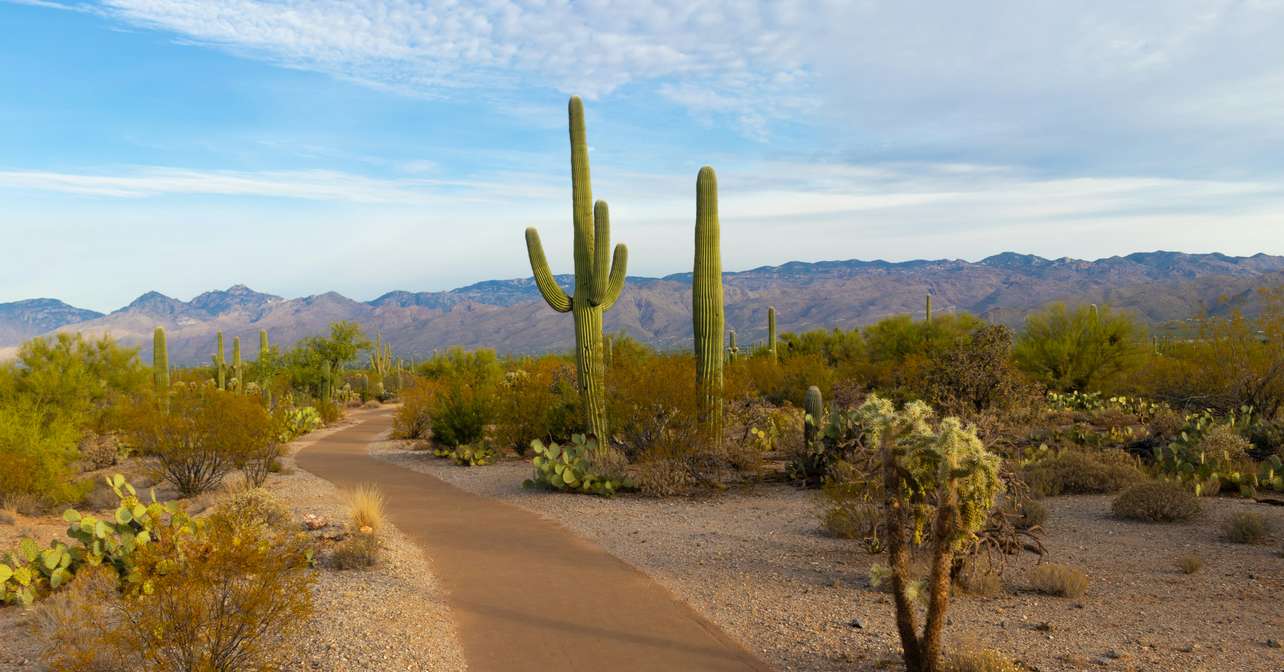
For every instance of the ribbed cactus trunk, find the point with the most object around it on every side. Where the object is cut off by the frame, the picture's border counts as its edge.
(238, 371)
(707, 317)
(814, 406)
(220, 364)
(599, 278)
(771, 332)
(160, 365)
(927, 309)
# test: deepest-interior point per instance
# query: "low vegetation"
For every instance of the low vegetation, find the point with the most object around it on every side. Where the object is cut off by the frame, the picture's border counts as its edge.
(1058, 580)
(1156, 502)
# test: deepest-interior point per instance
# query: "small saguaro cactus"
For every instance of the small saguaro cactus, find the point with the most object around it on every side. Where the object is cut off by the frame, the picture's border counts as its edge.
(380, 365)
(238, 370)
(160, 362)
(599, 279)
(220, 364)
(707, 316)
(927, 309)
(771, 331)
(732, 349)
(265, 349)
(814, 406)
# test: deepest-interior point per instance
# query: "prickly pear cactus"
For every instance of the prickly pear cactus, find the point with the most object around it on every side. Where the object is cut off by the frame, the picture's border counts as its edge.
(570, 468)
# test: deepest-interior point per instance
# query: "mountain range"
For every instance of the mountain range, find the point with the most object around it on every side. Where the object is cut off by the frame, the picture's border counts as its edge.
(511, 317)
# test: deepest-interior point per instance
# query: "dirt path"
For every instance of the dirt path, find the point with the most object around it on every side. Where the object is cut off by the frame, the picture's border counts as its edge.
(526, 593)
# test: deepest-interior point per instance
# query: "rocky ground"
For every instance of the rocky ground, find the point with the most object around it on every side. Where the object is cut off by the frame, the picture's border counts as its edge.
(754, 562)
(390, 617)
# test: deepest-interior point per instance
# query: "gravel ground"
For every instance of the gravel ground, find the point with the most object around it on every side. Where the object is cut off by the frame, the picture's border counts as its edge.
(391, 617)
(754, 562)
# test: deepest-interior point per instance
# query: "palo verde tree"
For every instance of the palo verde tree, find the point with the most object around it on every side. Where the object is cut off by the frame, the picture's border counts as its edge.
(599, 279)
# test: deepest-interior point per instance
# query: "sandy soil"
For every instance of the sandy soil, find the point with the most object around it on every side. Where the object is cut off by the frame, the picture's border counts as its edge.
(390, 617)
(754, 562)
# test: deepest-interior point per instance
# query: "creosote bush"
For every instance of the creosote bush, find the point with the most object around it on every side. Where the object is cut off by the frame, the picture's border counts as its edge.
(1058, 580)
(1247, 527)
(1156, 502)
(1082, 473)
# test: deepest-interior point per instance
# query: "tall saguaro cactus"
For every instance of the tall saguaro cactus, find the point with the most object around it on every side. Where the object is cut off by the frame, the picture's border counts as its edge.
(238, 371)
(220, 365)
(771, 331)
(599, 279)
(707, 317)
(927, 309)
(160, 363)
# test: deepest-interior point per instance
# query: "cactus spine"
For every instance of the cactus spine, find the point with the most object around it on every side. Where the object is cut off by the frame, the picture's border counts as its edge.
(238, 370)
(706, 305)
(927, 309)
(598, 278)
(771, 331)
(732, 348)
(220, 365)
(814, 406)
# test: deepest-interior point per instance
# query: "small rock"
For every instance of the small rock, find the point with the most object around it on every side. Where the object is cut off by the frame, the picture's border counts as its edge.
(1274, 643)
(856, 623)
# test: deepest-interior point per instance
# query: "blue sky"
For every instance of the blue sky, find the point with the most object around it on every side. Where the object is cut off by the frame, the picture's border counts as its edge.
(300, 146)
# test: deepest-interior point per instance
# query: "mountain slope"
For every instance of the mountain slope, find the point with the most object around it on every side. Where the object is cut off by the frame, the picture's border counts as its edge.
(22, 320)
(510, 316)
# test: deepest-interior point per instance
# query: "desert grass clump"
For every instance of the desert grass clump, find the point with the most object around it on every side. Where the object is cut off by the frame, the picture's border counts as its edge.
(1082, 473)
(358, 551)
(969, 659)
(1156, 502)
(1032, 514)
(1189, 563)
(1247, 527)
(366, 503)
(1059, 580)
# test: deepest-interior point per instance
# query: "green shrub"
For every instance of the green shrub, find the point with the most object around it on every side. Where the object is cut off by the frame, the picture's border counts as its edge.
(38, 457)
(1247, 527)
(537, 400)
(1082, 473)
(1059, 580)
(413, 420)
(1077, 349)
(1156, 502)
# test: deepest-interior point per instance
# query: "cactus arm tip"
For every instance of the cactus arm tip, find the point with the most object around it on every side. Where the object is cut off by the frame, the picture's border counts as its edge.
(548, 287)
(619, 270)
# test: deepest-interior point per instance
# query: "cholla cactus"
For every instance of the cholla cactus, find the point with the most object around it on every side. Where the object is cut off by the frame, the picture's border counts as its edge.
(706, 305)
(599, 279)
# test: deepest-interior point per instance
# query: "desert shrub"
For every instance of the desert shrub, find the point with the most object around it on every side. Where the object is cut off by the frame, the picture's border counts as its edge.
(787, 379)
(899, 351)
(75, 625)
(328, 411)
(1156, 502)
(465, 399)
(98, 451)
(1189, 563)
(1032, 513)
(979, 660)
(847, 512)
(1082, 473)
(1247, 527)
(1166, 423)
(537, 400)
(651, 404)
(292, 423)
(413, 420)
(258, 506)
(87, 382)
(976, 374)
(1059, 580)
(359, 550)
(1076, 349)
(205, 433)
(38, 456)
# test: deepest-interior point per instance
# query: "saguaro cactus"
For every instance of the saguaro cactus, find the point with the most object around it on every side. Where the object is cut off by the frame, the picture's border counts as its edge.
(598, 280)
(220, 365)
(814, 406)
(771, 331)
(927, 309)
(380, 365)
(706, 305)
(264, 348)
(238, 371)
(732, 349)
(160, 363)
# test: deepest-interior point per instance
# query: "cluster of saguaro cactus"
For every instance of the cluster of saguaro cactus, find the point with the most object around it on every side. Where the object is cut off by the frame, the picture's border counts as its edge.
(160, 363)
(220, 364)
(706, 306)
(599, 279)
(771, 331)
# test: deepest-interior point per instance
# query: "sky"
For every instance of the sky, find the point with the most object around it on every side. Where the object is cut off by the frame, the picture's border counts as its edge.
(362, 146)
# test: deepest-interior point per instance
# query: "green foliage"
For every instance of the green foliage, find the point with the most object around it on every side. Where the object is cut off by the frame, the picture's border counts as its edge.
(975, 374)
(1212, 455)
(706, 313)
(316, 361)
(464, 398)
(599, 278)
(1156, 502)
(652, 404)
(296, 422)
(898, 352)
(537, 399)
(87, 382)
(474, 455)
(1078, 349)
(575, 467)
(37, 453)
(206, 433)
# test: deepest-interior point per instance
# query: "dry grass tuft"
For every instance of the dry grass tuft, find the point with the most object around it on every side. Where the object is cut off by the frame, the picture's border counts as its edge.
(1189, 563)
(1247, 527)
(969, 659)
(1059, 580)
(1156, 502)
(366, 502)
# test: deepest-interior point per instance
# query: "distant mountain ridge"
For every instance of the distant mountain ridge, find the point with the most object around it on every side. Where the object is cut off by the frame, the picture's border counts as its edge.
(510, 316)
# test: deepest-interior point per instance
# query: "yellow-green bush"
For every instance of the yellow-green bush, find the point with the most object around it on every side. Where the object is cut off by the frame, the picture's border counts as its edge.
(37, 456)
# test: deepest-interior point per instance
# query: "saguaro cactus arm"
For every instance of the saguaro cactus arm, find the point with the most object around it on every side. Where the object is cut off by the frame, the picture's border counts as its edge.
(548, 287)
(615, 283)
